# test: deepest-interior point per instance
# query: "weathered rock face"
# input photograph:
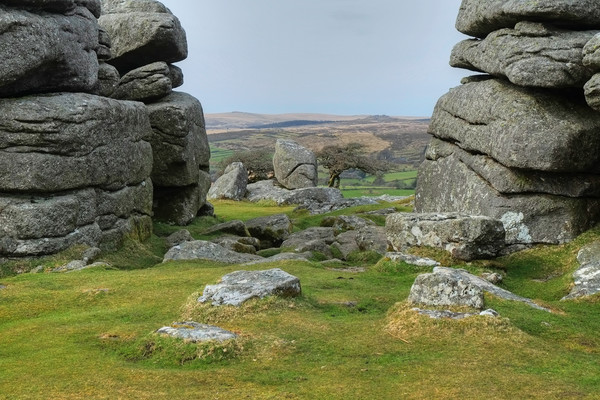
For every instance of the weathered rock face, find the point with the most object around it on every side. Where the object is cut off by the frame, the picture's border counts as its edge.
(59, 142)
(271, 230)
(295, 166)
(146, 83)
(50, 48)
(519, 127)
(531, 54)
(479, 18)
(74, 170)
(241, 286)
(141, 31)
(465, 237)
(511, 149)
(232, 184)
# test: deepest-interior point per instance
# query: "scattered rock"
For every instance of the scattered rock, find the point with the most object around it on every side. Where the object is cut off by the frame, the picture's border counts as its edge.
(91, 255)
(295, 166)
(235, 244)
(587, 276)
(2, 287)
(456, 287)
(78, 265)
(195, 332)
(240, 286)
(346, 243)
(492, 277)
(346, 223)
(298, 239)
(232, 184)
(412, 260)
(202, 250)
(235, 227)
(179, 237)
(271, 230)
(465, 237)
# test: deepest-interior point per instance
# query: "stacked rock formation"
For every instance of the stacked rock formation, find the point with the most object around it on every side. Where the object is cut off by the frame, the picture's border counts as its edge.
(145, 38)
(519, 143)
(74, 167)
(77, 167)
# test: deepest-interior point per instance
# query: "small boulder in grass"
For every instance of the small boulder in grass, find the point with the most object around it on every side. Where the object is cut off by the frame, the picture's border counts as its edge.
(196, 332)
(240, 286)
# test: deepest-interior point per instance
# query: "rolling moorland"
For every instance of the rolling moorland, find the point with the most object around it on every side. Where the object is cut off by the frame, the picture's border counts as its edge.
(350, 335)
(401, 140)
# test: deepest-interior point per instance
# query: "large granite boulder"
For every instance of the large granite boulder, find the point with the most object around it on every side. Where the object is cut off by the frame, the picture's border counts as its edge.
(241, 286)
(147, 83)
(232, 184)
(295, 166)
(142, 32)
(43, 51)
(457, 287)
(52, 143)
(479, 18)
(448, 185)
(520, 127)
(531, 54)
(181, 157)
(271, 230)
(510, 181)
(465, 237)
(179, 141)
(203, 250)
(592, 92)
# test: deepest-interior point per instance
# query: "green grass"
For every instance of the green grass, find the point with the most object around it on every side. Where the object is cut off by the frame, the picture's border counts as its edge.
(89, 334)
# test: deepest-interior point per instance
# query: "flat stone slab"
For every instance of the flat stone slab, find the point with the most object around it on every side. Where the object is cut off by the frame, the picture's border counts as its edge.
(587, 276)
(203, 250)
(437, 314)
(195, 332)
(466, 237)
(457, 287)
(240, 286)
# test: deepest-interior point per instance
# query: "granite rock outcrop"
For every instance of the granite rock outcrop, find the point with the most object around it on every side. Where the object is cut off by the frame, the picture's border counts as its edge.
(520, 143)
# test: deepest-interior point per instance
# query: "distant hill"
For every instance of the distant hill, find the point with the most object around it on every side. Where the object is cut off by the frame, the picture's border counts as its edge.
(401, 139)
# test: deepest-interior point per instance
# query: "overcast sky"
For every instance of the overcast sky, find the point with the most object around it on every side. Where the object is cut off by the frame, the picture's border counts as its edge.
(323, 56)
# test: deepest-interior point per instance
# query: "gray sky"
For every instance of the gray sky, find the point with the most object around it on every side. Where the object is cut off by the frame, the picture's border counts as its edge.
(324, 56)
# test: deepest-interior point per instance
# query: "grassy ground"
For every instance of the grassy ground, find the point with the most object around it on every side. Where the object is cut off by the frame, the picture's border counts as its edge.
(88, 334)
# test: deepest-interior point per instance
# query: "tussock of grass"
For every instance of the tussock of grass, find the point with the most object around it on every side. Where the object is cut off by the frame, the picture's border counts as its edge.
(405, 323)
(164, 351)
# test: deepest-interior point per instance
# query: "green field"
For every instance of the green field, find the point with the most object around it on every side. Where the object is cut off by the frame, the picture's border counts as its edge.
(89, 334)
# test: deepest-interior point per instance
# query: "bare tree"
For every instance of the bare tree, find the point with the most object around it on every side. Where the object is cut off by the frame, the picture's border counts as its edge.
(337, 159)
